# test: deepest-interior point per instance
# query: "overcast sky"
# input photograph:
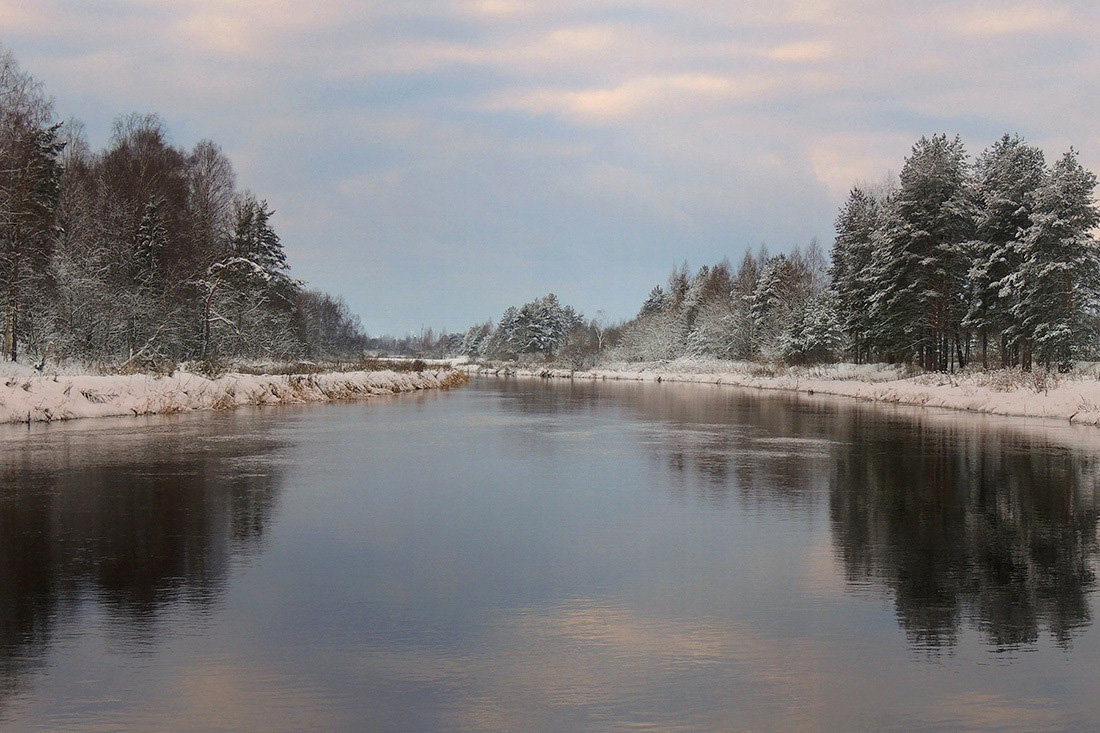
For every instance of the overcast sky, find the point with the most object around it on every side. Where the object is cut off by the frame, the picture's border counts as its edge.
(435, 161)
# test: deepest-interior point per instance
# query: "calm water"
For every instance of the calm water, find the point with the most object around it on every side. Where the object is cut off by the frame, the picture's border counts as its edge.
(522, 555)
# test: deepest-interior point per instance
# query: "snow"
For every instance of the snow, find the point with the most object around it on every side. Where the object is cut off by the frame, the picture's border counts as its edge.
(1075, 398)
(26, 398)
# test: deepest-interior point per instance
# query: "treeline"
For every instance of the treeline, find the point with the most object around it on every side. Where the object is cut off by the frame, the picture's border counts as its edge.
(995, 258)
(772, 307)
(541, 329)
(991, 260)
(143, 251)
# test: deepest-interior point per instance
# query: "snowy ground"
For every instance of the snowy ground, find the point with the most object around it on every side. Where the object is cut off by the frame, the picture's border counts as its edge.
(1074, 397)
(26, 395)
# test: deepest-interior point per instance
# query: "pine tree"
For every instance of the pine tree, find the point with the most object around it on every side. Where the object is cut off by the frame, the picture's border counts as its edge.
(740, 325)
(504, 339)
(655, 301)
(779, 293)
(851, 271)
(1057, 285)
(1007, 175)
(254, 238)
(474, 338)
(920, 295)
(710, 332)
(813, 333)
(690, 306)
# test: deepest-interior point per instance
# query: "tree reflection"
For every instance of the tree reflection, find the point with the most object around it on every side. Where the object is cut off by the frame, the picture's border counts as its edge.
(136, 521)
(965, 522)
(987, 527)
(765, 450)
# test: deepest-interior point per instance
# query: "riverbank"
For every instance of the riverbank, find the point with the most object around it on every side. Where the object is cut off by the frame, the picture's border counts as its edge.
(1074, 397)
(45, 398)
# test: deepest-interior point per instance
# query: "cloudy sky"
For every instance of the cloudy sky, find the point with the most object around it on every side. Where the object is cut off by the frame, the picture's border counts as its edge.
(435, 161)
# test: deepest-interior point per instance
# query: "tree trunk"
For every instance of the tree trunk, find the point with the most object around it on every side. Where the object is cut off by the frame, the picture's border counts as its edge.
(10, 346)
(11, 325)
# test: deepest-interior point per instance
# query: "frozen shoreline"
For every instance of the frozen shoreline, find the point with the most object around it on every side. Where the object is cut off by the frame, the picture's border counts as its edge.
(45, 398)
(1075, 398)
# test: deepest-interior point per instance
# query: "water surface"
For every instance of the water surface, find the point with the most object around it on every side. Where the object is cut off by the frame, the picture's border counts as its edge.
(528, 555)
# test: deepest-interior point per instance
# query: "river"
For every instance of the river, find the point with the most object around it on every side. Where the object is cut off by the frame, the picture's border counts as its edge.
(521, 555)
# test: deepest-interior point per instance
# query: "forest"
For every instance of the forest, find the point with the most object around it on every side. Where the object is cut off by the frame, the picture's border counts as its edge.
(991, 262)
(145, 253)
(142, 253)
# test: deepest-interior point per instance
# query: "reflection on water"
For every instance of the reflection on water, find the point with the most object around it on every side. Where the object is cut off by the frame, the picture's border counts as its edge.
(962, 519)
(986, 527)
(524, 555)
(132, 517)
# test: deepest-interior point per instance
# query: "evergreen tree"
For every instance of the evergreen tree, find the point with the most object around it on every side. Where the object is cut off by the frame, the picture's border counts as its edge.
(474, 339)
(504, 340)
(740, 325)
(655, 301)
(1007, 175)
(151, 241)
(778, 294)
(688, 313)
(813, 333)
(710, 331)
(254, 238)
(1056, 288)
(851, 274)
(920, 289)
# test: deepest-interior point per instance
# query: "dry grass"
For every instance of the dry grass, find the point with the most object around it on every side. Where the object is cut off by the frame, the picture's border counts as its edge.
(225, 401)
(1010, 380)
(155, 367)
(998, 380)
(357, 365)
(454, 378)
(214, 368)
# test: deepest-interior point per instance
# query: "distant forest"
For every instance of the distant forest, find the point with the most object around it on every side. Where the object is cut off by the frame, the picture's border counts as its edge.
(143, 252)
(990, 261)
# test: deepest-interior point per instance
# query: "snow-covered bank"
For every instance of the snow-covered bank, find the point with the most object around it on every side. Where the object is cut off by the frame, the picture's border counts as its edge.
(46, 398)
(1075, 398)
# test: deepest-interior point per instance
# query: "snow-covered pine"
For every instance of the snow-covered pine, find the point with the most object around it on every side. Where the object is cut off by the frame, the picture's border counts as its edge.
(711, 304)
(740, 327)
(655, 301)
(253, 236)
(1056, 290)
(472, 340)
(541, 326)
(1007, 176)
(918, 267)
(813, 335)
(779, 294)
(859, 220)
